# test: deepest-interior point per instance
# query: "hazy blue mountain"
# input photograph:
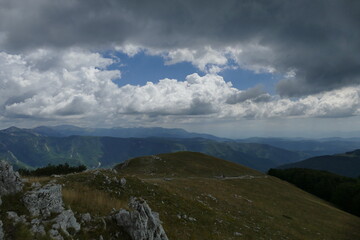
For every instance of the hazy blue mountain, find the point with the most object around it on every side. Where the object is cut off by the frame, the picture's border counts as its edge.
(28, 148)
(347, 164)
(313, 147)
(139, 132)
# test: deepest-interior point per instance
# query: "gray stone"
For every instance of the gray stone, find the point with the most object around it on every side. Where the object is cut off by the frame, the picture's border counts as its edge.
(141, 223)
(1, 231)
(37, 227)
(114, 179)
(35, 185)
(86, 217)
(54, 234)
(66, 220)
(15, 218)
(237, 234)
(44, 201)
(10, 181)
(123, 181)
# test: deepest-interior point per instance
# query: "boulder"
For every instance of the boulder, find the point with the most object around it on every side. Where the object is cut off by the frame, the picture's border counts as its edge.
(44, 200)
(141, 223)
(64, 221)
(10, 181)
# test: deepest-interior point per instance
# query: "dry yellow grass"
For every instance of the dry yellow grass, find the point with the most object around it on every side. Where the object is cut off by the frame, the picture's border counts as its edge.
(38, 179)
(81, 198)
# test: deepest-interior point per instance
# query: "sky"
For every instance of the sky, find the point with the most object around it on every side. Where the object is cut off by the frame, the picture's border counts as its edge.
(231, 68)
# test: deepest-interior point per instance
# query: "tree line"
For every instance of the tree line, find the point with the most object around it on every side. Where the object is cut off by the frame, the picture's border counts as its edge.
(342, 191)
(52, 170)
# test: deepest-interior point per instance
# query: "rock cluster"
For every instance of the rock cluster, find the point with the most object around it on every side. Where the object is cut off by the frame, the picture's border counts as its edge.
(49, 217)
(141, 223)
(10, 181)
(64, 221)
(44, 201)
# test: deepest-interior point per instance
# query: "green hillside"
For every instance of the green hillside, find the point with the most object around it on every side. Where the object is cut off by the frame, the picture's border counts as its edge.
(347, 164)
(245, 201)
(183, 164)
(340, 190)
(197, 197)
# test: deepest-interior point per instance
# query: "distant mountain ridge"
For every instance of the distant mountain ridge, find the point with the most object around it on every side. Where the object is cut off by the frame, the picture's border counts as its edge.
(346, 164)
(28, 148)
(312, 147)
(307, 147)
(138, 132)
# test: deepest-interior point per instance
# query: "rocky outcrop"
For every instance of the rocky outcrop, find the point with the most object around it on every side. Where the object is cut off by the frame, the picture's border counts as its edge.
(64, 221)
(44, 200)
(141, 223)
(10, 181)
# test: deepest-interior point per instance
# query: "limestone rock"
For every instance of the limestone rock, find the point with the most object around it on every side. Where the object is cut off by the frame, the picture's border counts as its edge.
(10, 181)
(44, 200)
(123, 181)
(86, 217)
(1, 231)
(54, 234)
(66, 220)
(35, 185)
(15, 218)
(37, 226)
(141, 223)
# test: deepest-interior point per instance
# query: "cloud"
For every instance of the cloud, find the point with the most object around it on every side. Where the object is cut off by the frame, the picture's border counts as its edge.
(70, 84)
(255, 94)
(75, 85)
(317, 40)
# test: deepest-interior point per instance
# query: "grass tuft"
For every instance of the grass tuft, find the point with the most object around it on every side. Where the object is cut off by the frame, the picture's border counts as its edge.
(81, 198)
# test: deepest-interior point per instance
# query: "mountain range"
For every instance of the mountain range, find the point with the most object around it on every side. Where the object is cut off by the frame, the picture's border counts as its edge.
(346, 164)
(311, 147)
(138, 132)
(28, 148)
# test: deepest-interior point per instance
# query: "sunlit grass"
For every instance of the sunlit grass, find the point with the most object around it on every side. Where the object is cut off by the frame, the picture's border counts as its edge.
(38, 179)
(81, 198)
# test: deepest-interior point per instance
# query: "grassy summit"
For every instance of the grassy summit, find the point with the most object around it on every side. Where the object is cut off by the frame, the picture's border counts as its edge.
(183, 164)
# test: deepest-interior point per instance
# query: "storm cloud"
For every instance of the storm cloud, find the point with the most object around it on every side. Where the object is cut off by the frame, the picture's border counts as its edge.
(317, 41)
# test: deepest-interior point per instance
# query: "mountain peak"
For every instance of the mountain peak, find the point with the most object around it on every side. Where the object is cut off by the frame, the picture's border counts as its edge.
(15, 131)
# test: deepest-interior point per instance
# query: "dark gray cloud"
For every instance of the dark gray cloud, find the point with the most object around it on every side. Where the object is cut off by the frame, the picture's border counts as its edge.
(255, 94)
(318, 39)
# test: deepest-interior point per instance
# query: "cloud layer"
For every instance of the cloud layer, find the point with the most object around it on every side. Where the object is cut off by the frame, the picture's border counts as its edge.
(317, 40)
(75, 84)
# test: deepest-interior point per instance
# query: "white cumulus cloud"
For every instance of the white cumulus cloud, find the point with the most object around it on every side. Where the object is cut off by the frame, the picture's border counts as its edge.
(75, 84)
